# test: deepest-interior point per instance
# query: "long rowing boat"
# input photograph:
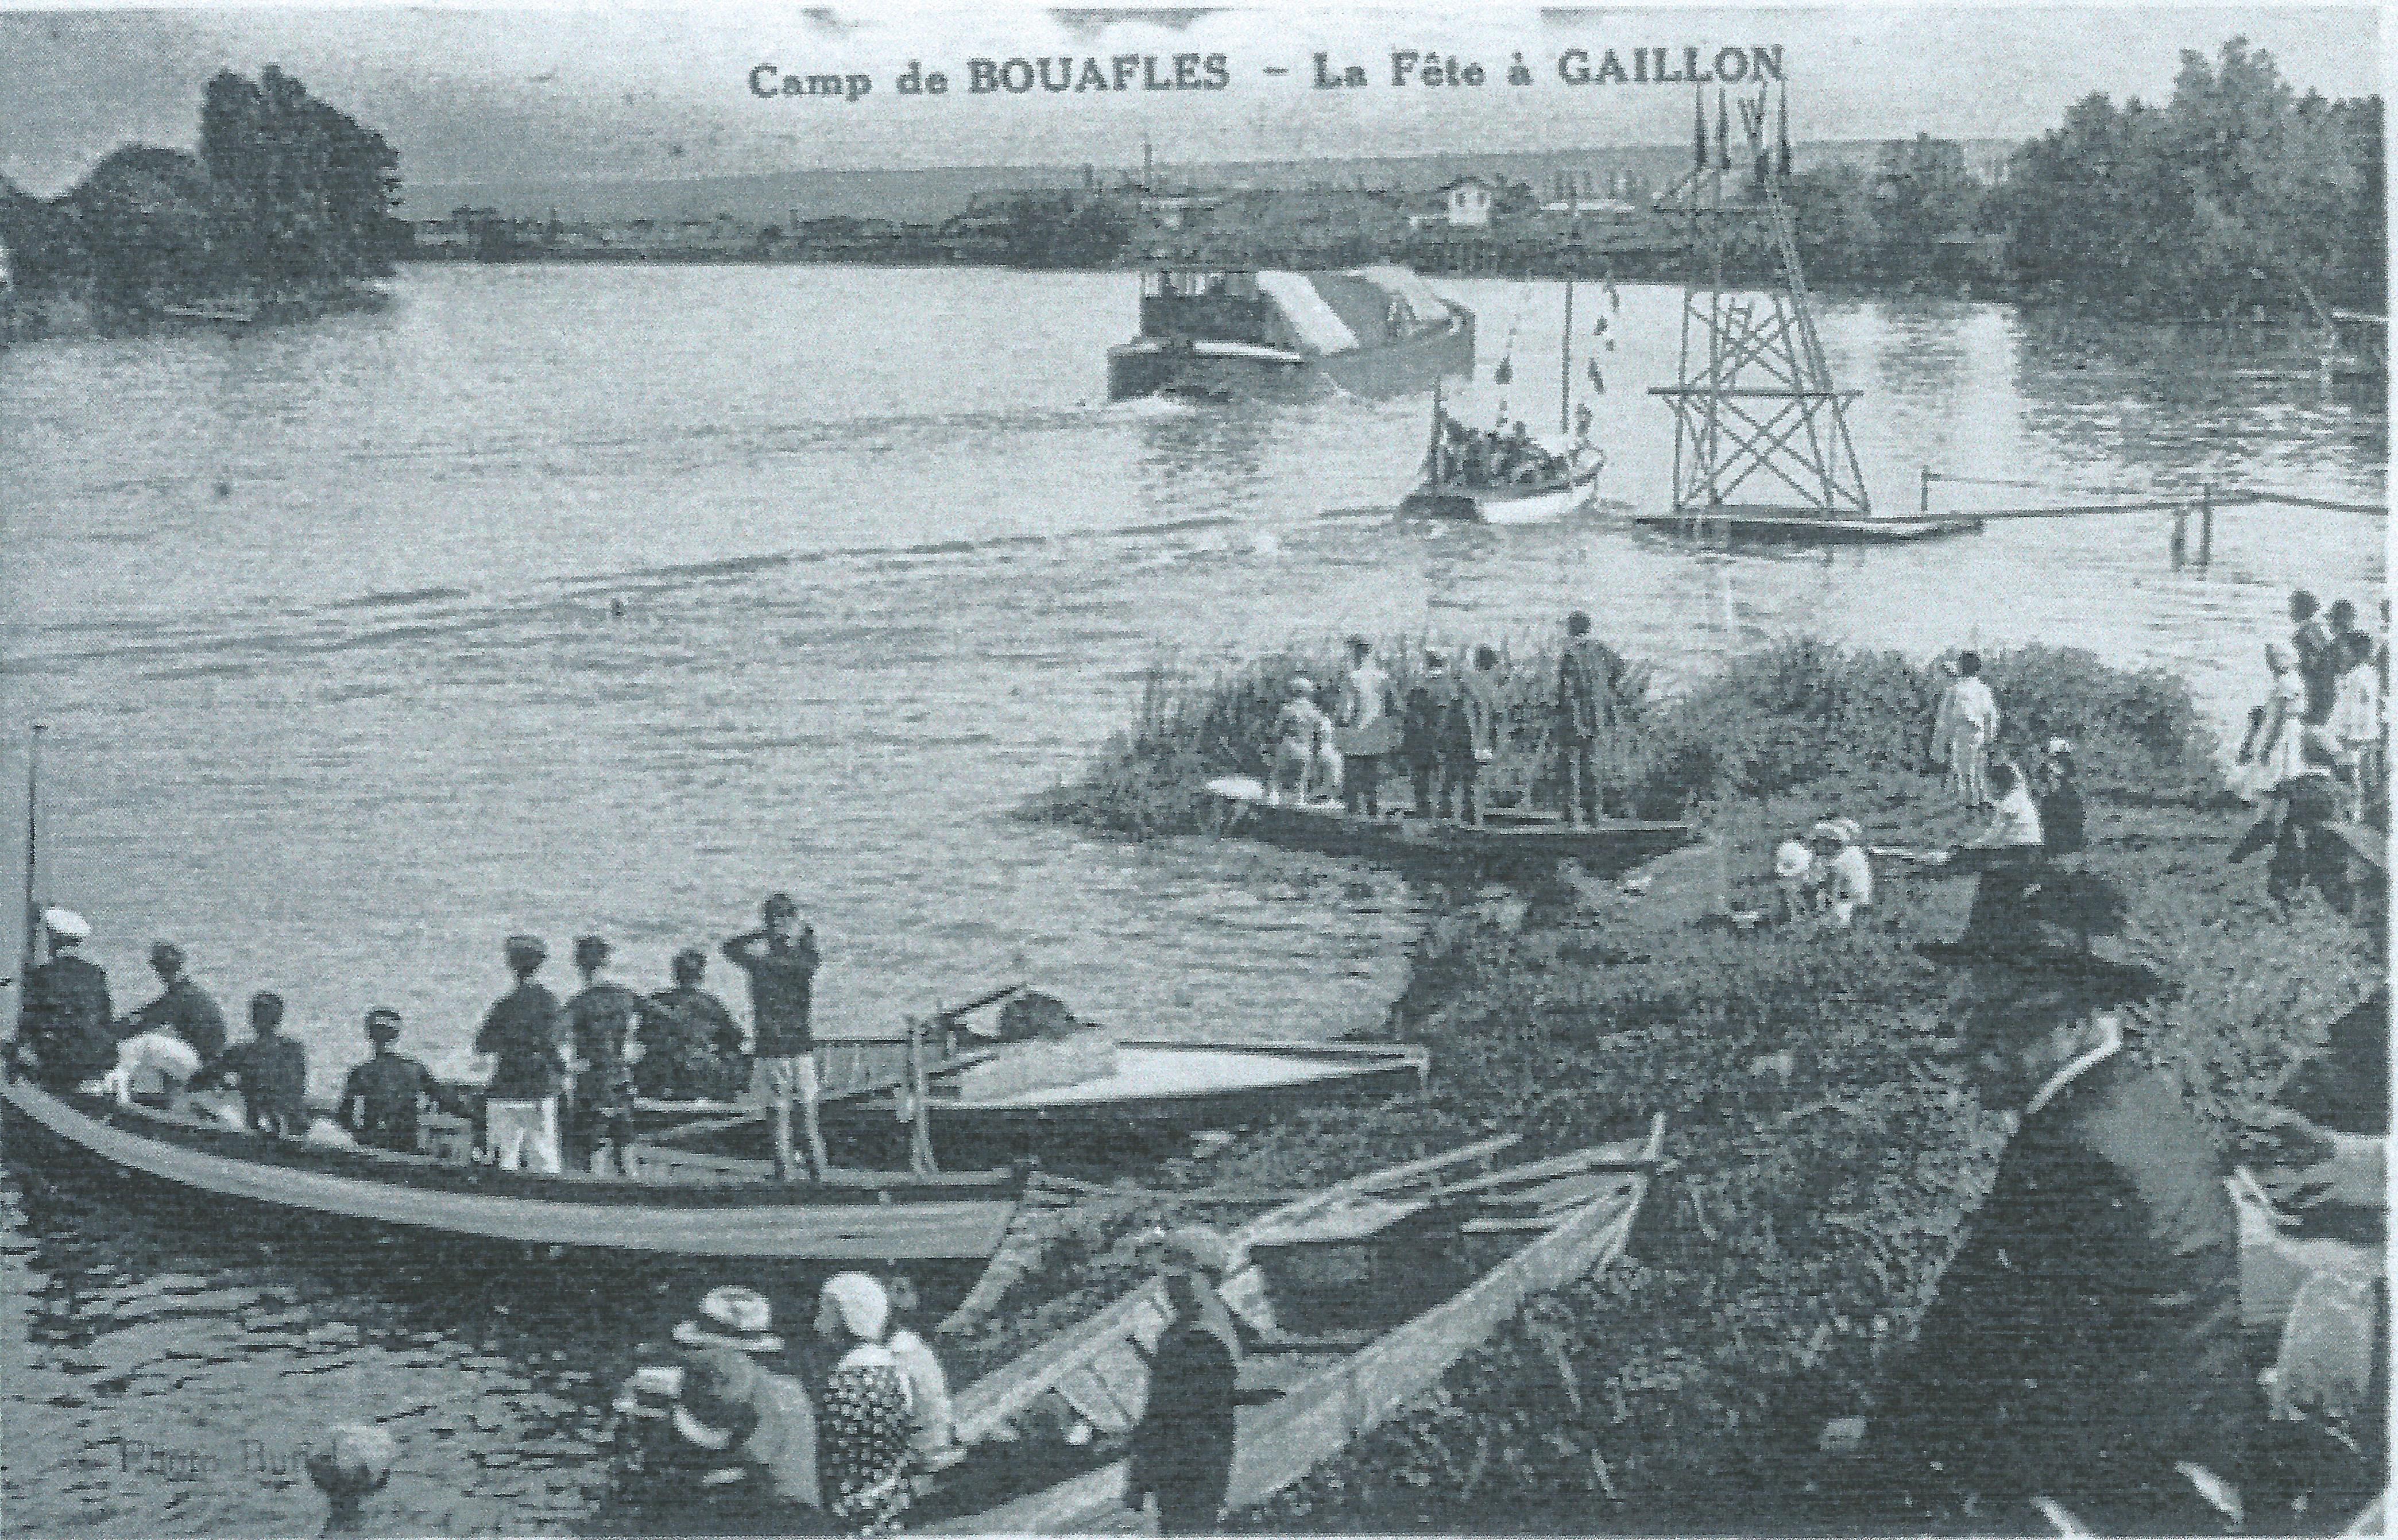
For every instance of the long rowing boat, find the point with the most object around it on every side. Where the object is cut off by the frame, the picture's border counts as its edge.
(1509, 842)
(679, 1204)
(1451, 1257)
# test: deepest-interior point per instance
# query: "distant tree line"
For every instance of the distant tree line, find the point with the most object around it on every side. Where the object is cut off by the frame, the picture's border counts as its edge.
(2238, 193)
(288, 199)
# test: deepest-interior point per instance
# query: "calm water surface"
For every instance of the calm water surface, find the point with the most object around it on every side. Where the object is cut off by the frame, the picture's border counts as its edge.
(324, 622)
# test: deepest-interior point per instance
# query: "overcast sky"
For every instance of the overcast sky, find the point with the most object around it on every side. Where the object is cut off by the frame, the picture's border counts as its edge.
(569, 93)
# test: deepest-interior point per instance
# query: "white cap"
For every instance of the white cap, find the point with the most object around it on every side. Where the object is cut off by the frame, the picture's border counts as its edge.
(66, 925)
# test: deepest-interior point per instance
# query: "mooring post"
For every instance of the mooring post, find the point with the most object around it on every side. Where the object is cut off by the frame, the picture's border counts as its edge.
(2205, 522)
(2180, 534)
(1925, 506)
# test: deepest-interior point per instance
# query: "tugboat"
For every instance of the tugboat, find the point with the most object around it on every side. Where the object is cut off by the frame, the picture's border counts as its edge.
(1214, 334)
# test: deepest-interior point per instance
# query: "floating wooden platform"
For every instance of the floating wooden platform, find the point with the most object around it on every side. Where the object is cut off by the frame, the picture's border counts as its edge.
(1746, 522)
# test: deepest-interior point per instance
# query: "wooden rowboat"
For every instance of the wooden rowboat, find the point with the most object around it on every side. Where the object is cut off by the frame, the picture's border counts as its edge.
(679, 1204)
(1319, 1366)
(1509, 842)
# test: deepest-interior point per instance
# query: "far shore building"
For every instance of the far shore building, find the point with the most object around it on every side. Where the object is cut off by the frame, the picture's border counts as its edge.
(1465, 202)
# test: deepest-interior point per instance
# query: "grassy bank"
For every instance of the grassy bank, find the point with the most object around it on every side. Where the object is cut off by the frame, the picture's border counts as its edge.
(1819, 1195)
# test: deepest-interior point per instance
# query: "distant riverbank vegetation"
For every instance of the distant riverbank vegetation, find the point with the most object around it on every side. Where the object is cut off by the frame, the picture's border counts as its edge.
(287, 204)
(1830, 1154)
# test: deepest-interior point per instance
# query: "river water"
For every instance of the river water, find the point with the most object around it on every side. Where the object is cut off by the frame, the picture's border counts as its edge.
(612, 597)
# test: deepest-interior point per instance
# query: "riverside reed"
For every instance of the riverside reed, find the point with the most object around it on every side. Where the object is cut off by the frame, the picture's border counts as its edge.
(1818, 1196)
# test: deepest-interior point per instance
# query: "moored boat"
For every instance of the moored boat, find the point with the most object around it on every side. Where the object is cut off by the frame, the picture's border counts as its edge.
(1351, 1301)
(1216, 333)
(677, 1205)
(1544, 503)
(1509, 842)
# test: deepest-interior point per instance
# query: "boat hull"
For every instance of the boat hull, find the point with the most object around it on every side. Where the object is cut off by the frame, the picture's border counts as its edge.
(862, 1219)
(1100, 1368)
(1508, 842)
(1502, 505)
(1149, 365)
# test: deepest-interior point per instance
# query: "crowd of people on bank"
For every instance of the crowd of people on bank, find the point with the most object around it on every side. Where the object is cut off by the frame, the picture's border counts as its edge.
(1446, 731)
(2315, 754)
(563, 1074)
(732, 1430)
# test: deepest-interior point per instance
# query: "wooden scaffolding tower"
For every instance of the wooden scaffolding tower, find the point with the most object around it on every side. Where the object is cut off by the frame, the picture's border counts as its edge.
(1757, 423)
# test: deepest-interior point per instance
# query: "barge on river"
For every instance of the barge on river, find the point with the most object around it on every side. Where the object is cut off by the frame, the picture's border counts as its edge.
(1222, 334)
(677, 1205)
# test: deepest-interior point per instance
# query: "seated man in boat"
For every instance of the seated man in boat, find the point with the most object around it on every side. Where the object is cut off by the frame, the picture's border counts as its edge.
(182, 1007)
(1523, 460)
(272, 1070)
(384, 1098)
(1302, 749)
(64, 1013)
(691, 1046)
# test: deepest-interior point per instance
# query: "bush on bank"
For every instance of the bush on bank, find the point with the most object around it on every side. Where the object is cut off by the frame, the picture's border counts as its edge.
(1815, 1206)
(1790, 716)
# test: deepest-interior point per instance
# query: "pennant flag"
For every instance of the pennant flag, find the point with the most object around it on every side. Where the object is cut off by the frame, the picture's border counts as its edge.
(1504, 373)
(1597, 382)
(1611, 345)
(1614, 300)
(1600, 329)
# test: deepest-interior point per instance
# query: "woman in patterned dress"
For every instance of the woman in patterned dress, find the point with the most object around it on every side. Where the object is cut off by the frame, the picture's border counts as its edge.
(865, 1423)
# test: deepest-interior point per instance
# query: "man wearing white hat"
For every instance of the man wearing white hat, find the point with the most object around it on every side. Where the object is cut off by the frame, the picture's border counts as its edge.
(65, 1013)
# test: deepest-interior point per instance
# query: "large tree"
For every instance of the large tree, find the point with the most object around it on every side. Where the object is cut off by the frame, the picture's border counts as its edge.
(309, 191)
(150, 224)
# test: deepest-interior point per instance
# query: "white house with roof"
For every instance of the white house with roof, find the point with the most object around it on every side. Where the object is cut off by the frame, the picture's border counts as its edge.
(1465, 202)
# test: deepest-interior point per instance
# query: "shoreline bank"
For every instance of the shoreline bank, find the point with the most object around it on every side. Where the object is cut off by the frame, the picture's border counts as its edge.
(1829, 1161)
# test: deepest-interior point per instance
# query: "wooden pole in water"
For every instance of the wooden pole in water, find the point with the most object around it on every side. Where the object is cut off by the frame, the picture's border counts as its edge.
(920, 1143)
(1925, 506)
(1565, 350)
(29, 956)
(2205, 522)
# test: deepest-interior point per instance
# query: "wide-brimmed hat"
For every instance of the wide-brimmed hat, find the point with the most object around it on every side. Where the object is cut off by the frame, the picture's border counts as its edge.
(65, 924)
(865, 1309)
(717, 1405)
(1827, 830)
(1301, 685)
(1790, 858)
(524, 952)
(732, 1316)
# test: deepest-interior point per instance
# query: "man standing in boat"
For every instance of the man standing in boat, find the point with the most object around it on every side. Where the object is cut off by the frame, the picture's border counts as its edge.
(781, 961)
(1588, 677)
(524, 1029)
(1368, 728)
(64, 1013)
(602, 1021)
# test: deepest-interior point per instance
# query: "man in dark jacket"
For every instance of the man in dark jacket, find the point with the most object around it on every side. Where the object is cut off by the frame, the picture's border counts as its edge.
(525, 1031)
(1423, 724)
(182, 1007)
(1588, 677)
(1471, 739)
(689, 1043)
(65, 1012)
(602, 1019)
(1183, 1448)
(385, 1096)
(2084, 1350)
(273, 1071)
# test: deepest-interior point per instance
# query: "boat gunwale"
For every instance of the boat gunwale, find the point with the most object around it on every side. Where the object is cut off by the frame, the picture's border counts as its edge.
(190, 1141)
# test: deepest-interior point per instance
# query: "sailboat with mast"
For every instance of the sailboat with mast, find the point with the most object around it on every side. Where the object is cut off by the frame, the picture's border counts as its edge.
(1489, 478)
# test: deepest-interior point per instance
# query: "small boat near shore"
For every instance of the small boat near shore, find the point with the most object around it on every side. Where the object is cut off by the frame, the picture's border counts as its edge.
(1351, 1301)
(1545, 503)
(679, 1204)
(1509, 842)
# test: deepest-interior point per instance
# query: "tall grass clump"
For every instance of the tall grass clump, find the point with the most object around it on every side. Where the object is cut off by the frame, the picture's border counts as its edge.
(1770, 721)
